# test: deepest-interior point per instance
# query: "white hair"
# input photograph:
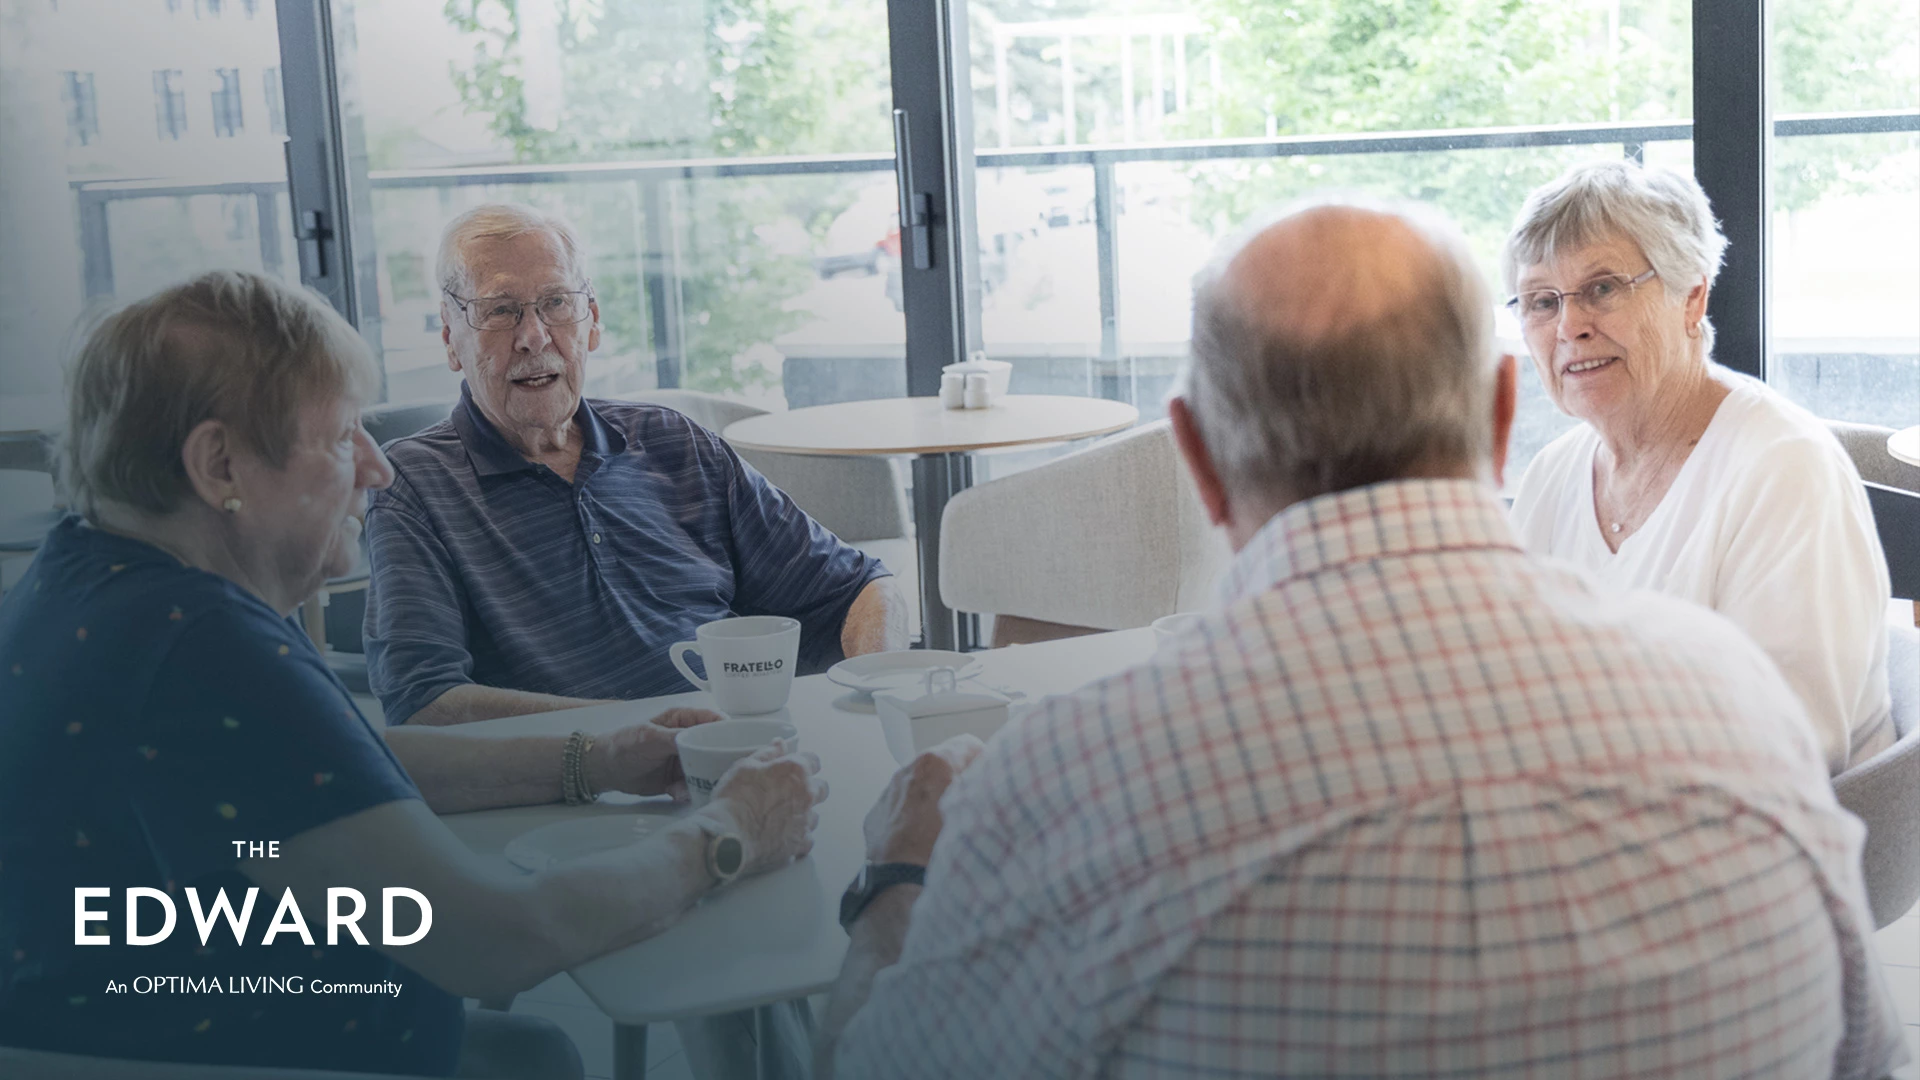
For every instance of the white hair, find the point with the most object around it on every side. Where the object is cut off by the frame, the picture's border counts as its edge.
(1664, 213)
(1404, 378)
(502, 221)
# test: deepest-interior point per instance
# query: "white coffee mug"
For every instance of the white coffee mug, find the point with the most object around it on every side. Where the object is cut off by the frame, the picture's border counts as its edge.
(749, 662)
(707, 751)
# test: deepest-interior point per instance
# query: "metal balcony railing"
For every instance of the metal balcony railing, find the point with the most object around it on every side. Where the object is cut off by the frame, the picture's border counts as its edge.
(654, 180)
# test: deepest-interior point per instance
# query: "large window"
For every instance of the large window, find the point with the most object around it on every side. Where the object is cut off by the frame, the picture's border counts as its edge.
(228, 117)
(730, 163)
(101, 211)
(727, 161)
(1127, 145)
(276, 103)
(83, 109)
(169, 104)
(1846, 208)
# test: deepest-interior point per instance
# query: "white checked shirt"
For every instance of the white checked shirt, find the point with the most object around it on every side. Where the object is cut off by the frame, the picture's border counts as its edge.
(1411, 804)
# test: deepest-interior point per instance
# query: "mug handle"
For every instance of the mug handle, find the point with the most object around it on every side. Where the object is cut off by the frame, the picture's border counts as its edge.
(678, 654)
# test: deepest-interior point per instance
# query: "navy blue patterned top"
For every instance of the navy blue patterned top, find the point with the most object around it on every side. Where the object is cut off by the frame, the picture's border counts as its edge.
(491, 569)
(151, 714)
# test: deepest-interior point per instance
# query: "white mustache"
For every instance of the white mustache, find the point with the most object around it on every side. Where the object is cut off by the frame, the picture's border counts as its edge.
(545, 364)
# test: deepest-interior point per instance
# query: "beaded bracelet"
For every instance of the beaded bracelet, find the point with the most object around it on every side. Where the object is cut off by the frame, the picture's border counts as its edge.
(573, 775)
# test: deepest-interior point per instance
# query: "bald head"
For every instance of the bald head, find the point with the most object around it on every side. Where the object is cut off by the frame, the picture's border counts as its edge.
(1339, 346)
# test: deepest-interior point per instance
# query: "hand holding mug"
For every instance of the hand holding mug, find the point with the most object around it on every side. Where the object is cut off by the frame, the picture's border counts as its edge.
(770, 798)
(905, 822)
(642, 759)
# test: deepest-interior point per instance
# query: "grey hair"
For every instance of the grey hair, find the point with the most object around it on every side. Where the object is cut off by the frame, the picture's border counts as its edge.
(1293, 412)
(1664, 213)
(502, 221)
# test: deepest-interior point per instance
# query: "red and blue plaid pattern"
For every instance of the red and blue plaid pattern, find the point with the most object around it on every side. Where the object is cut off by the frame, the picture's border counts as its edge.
(1410, 804)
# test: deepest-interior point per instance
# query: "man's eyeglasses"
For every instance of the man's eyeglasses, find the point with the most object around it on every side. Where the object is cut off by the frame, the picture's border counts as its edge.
(505, 313)
(1537, 307)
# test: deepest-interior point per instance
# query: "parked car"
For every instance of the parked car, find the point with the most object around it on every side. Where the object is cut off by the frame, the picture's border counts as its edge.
(855, 242)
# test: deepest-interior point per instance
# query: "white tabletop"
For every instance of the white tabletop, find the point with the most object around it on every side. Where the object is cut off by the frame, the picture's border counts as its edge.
(921, 425)
(775, 937)
(1905, 445)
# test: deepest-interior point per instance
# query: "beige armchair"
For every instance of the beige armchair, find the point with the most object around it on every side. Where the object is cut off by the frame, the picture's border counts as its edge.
(1108, 538)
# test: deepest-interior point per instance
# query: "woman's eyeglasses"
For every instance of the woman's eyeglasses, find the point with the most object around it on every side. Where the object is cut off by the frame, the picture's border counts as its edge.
(1537, 307)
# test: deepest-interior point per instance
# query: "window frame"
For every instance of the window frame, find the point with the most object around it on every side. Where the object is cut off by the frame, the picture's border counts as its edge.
(169, 104)
(228, 103)
(1731, 133)
(80, 95)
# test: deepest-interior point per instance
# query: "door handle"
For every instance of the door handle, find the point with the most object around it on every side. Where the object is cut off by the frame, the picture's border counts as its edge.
(916, 207)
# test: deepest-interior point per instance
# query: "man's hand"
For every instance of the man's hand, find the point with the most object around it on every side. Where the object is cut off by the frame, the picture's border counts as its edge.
(642, 759)
(905, 822)
(770, 799)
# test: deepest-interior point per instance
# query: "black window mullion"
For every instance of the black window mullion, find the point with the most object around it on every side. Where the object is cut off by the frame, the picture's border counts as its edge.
(332, 213)
(1732, 122)
(931, 84)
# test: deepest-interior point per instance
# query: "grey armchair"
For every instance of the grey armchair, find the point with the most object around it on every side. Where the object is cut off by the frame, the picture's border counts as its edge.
(1884, 792)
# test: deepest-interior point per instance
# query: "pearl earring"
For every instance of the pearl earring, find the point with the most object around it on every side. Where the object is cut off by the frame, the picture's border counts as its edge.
(232, 504)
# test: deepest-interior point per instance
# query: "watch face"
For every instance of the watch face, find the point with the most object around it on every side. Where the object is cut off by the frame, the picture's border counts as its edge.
(728, 854)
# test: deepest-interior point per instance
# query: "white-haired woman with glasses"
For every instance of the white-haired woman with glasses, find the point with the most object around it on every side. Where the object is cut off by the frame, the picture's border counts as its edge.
(1686, 477)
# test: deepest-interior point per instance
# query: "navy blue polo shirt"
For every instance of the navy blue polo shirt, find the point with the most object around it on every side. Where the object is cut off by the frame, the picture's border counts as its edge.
(150, 715)
(488, 568)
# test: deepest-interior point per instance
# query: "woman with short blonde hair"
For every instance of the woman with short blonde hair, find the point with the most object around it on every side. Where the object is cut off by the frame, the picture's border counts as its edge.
(157, 708)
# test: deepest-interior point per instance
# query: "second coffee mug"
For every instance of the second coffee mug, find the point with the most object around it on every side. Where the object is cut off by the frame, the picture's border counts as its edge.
(749, 662)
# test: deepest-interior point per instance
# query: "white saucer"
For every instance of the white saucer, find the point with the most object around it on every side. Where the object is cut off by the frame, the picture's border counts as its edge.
(902, 669)
(577, 838)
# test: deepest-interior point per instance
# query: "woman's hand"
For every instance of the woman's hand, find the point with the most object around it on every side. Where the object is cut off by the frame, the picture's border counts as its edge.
(641, 759)
(769, 799)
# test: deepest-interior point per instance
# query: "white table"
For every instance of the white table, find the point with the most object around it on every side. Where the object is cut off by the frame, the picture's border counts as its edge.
(1905, 445)
(777, 937)
(939, 440)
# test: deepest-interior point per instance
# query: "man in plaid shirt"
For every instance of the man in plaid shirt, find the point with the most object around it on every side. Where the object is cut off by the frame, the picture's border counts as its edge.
(1410, 803)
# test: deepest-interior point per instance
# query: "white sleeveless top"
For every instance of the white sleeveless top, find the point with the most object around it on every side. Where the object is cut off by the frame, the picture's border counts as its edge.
(1766, 523)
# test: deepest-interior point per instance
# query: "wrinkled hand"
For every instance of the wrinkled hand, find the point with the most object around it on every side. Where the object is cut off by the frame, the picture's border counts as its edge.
(770, 799)
(641, 759)
(905, 822)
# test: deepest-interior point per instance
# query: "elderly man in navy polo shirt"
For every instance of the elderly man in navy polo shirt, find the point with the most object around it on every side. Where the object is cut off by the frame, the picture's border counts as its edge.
(539, 550)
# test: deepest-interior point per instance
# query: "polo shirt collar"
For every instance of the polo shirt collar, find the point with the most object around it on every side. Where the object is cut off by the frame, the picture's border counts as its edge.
(492, 455)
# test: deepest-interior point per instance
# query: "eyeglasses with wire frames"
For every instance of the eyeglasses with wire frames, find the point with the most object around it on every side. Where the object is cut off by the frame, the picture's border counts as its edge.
(505, 312)
(1538, 307)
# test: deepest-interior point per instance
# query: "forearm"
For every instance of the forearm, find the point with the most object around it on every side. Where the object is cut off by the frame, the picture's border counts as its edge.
(456, 771)
(877, 621)
(877, 938)
(593, 906)
(471, 702)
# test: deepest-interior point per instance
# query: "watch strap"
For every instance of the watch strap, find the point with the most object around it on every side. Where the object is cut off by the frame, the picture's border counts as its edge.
(874, 879)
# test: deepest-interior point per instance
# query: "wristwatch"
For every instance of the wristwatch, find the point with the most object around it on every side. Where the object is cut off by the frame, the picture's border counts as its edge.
(872, 880)
(726, 853)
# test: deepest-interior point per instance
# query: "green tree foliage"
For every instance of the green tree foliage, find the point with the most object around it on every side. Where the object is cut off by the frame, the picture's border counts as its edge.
(649, 80)
(1832, 56)
(1319, 67)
